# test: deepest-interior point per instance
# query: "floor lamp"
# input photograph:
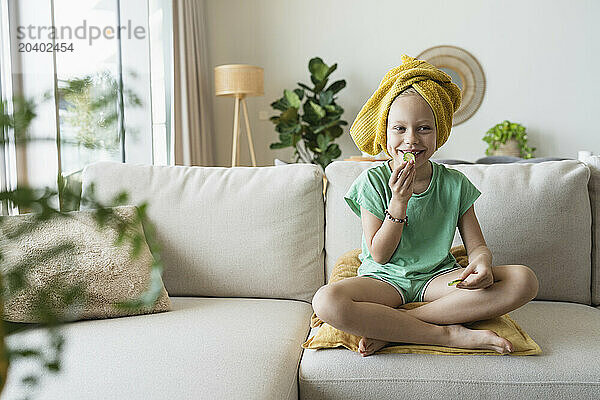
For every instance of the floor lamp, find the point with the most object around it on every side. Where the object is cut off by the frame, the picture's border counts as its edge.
(239, 81)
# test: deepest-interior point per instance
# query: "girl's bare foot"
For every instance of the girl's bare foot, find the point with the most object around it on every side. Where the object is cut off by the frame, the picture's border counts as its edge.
(478, 339)
(367, 346)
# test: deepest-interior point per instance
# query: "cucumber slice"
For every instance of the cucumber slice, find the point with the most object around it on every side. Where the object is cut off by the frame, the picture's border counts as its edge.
(409, 156)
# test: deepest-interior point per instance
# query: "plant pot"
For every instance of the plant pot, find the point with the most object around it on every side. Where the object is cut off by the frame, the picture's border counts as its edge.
(510, 148)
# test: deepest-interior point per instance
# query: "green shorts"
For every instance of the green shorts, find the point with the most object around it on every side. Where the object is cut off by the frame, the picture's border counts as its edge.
(411, 290)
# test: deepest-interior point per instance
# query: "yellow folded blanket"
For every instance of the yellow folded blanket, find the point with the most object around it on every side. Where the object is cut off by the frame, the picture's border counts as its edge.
(329, 337)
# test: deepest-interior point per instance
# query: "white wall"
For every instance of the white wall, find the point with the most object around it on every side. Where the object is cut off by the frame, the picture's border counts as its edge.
(539, 57)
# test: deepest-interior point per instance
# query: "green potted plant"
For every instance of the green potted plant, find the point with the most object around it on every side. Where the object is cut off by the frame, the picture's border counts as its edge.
(508, 139)
(312, 133)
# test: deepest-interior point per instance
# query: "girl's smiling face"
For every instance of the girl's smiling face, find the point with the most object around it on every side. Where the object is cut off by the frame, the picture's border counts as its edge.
(411, 126)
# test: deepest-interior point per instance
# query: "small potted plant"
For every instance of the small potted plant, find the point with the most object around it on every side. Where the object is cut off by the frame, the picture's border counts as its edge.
(311, 134)
(507, 139)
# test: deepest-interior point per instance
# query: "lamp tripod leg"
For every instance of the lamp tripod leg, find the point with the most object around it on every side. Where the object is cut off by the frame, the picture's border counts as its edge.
(239, 137)
(249, 132)
(236, 124)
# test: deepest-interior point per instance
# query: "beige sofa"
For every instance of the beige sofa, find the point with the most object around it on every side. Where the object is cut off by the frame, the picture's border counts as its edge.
(245, 249)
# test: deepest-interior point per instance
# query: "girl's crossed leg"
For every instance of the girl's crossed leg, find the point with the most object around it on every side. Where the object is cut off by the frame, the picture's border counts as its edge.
(514, 286)
(365, 307)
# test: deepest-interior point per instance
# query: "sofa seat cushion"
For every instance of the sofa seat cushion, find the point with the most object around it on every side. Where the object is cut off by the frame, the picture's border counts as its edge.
(566, 369)
(209, 348)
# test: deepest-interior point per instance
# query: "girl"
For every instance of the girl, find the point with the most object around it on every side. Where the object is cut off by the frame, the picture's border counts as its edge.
(409, 212)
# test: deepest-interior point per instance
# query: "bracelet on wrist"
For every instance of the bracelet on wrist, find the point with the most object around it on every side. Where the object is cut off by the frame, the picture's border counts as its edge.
(397, 220)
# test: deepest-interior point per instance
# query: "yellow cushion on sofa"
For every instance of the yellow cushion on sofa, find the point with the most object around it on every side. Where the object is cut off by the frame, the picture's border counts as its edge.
(329, 337)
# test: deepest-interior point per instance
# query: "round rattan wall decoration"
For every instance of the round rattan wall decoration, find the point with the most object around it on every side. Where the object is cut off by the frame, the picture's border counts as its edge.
(465, 71)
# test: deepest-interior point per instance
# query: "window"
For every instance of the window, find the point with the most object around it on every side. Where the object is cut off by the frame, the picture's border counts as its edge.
(160, 23)
(88, 81)
(8, 170)
(110, 95)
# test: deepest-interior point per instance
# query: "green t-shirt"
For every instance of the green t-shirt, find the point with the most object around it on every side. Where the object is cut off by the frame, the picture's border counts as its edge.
(433, 216)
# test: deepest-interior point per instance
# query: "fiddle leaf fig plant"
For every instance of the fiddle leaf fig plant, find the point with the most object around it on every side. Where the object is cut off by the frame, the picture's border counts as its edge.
(311, 133)
(505, 131)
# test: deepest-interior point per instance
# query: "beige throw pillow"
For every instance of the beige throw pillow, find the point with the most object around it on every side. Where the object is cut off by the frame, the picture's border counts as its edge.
(108, 271)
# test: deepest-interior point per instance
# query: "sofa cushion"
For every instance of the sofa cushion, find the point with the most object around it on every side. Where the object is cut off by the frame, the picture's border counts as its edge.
(536, 214)
(206, 348)
(228, 232)
(108, 273)
(566, 369)
(593, 163)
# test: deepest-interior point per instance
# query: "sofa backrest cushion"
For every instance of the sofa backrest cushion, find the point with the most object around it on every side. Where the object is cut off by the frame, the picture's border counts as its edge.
(228, 232)
(532, 214)
(593, 163)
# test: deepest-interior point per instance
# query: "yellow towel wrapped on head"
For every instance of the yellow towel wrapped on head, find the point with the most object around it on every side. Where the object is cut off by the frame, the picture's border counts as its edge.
(435, 86)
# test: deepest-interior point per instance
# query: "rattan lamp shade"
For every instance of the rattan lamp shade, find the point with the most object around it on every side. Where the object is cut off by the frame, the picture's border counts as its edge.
(238, 79)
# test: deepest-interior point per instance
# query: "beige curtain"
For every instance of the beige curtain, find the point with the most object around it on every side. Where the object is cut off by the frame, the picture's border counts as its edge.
(192, 95)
